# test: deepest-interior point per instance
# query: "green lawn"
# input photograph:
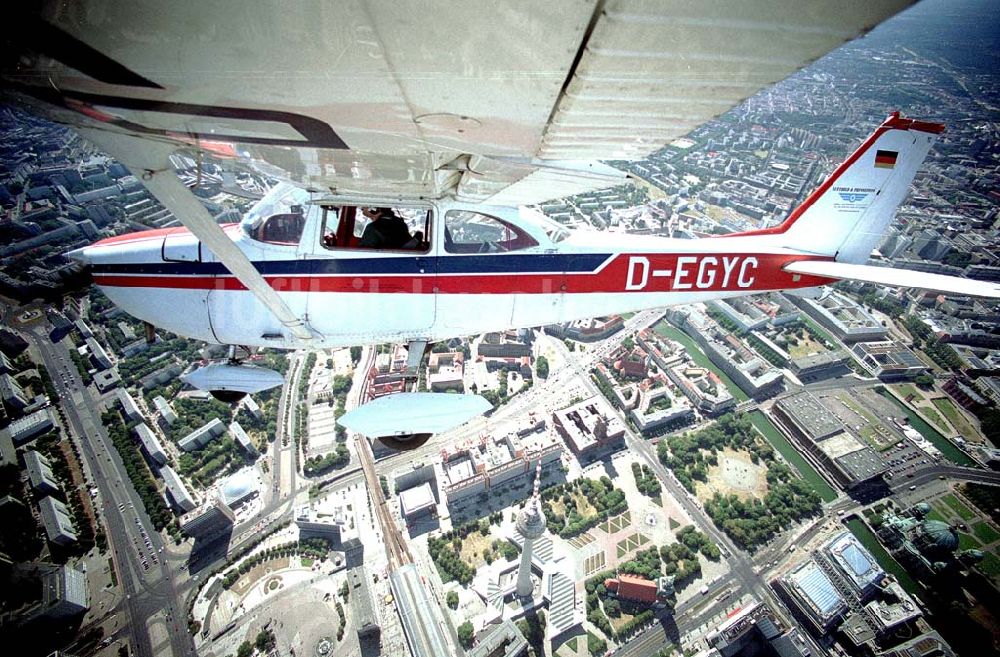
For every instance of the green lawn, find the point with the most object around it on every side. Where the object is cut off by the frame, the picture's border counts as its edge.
(907, 389)
(936, 515)
(965, 512)
(985, 533)
(933, 417)
(990, 565)
(966, 542)
(571, 644)
(955, 416)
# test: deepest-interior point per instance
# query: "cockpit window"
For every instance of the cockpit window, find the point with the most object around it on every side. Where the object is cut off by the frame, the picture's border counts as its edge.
(279, 217)
(378, 228)
(472, 232)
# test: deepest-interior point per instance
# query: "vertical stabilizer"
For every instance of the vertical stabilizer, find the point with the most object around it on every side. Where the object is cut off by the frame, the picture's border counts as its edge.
(848, 214)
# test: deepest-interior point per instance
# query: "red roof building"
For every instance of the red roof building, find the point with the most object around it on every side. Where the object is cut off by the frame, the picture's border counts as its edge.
(632, 587)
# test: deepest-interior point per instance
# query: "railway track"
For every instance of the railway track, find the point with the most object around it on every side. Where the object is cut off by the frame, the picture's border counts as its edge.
(396, 549)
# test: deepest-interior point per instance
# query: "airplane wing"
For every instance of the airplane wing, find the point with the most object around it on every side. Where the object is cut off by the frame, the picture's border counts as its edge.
(897, 278)
(500, 102)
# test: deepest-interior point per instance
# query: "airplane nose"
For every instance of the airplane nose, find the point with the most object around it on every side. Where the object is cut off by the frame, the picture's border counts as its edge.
(80, 255)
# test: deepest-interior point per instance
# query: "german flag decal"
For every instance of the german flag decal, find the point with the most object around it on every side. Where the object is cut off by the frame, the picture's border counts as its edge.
(885, 159)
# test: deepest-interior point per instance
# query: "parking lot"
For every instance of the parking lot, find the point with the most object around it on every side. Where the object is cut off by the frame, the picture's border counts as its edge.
(904, 462)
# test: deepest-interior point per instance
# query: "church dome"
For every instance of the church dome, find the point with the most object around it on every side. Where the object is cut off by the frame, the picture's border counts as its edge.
(938, 536)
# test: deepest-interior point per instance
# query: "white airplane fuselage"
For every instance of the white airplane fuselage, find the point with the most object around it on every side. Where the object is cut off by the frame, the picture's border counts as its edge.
(363, 296)
(478, 268)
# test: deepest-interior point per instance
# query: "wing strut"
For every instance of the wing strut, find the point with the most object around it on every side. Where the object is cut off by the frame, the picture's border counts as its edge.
(149, 161)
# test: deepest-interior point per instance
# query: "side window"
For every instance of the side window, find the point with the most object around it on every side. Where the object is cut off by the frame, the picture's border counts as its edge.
(380, 228)
(472, 232)
(285, 228)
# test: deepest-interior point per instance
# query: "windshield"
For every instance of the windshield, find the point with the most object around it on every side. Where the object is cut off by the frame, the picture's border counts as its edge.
(281, 200)
(552, 229)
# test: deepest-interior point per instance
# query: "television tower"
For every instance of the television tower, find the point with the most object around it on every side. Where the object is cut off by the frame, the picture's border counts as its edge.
(531, 525)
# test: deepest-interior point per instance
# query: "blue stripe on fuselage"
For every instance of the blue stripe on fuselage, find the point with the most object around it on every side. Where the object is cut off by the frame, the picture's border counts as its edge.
(385, 265)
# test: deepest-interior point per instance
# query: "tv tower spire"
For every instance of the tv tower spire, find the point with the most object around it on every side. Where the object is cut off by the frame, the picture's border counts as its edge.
(531, 525)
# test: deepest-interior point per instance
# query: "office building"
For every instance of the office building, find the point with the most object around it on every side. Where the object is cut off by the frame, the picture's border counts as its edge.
(40, 473)
(417, 502)
(98, 355)
(129, 407)
(24, 429)
(243, 440)
(202, 435)
(888, 360)
(590, 428)
(57, 521)
(64, 593)
(163, 408)
(313, 524)
(480, 465)
(501, 639)
(12, 394)
(824, 365)
(843, 456)
(210, 519)
(846, 318)
(178, 492)
(151, 444)
(362, 610)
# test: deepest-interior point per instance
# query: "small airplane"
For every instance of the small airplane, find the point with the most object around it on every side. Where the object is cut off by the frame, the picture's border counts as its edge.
(453, 137)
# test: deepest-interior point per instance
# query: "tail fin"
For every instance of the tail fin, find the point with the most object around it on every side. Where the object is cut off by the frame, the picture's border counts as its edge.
(848, 214)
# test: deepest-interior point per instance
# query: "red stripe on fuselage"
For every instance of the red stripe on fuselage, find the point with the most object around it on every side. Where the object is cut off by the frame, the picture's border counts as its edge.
(626, 273)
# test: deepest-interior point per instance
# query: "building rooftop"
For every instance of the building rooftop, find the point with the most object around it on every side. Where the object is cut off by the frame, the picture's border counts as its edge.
(420, 624)
(854, 560)
(817, 421)
(239, 486)
(502, 639)
(128, 404)
(417, 499)
(56, 519)
(561, 591)
(814, 588)
(175, 486)
(862, 464)
(588, 423)
(40, 472)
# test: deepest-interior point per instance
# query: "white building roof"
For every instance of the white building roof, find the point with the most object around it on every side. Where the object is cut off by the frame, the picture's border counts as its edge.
(416, 500)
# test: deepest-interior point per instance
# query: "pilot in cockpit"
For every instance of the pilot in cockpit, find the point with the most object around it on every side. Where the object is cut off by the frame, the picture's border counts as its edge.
(387, 230)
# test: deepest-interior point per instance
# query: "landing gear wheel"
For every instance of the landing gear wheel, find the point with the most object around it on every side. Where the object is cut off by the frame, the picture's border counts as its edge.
(405, 442)
(228, 396)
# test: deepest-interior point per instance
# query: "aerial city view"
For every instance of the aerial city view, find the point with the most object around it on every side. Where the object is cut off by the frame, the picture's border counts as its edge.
(794, 472)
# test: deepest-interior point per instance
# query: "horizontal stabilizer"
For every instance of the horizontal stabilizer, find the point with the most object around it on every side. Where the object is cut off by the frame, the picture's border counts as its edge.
(406, 413)
(897, 277)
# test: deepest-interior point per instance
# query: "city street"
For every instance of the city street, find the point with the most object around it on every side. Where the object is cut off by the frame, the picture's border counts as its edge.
(151, 597)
